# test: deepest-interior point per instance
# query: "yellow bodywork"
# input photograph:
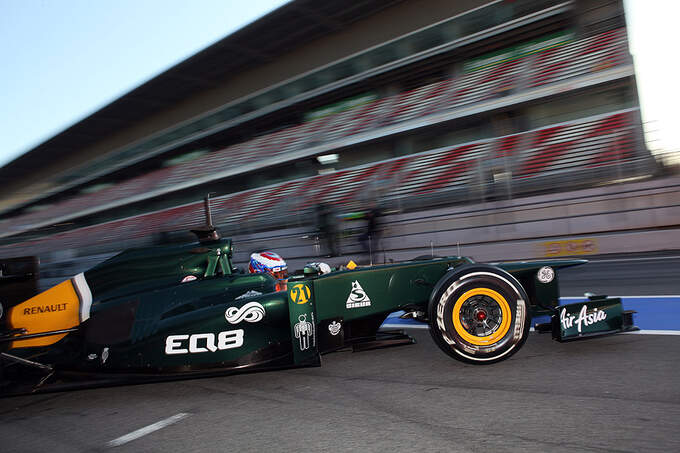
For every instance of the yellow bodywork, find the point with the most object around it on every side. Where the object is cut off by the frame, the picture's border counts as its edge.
(58, 308)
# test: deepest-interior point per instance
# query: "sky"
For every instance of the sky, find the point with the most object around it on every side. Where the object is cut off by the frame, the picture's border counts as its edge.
(653, 43)
(64, 60)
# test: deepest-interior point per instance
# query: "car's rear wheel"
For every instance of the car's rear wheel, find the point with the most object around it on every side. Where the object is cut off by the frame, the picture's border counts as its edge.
(479, 314)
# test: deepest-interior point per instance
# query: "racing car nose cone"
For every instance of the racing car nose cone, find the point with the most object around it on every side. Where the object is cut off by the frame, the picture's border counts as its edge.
(480, 315)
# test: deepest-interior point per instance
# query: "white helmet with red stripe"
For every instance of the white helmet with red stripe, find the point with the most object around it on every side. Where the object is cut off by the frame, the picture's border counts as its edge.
(270, 263)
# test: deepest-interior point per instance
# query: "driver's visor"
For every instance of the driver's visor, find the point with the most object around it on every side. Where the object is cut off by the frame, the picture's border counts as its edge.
(281, 279)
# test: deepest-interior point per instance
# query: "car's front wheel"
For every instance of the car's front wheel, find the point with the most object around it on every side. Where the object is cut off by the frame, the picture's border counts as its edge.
(479, 314)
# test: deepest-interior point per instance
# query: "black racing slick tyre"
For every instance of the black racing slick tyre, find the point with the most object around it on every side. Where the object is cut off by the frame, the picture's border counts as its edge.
(479, 314)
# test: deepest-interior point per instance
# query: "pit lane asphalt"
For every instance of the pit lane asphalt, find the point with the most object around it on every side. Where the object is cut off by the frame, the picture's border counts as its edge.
(612, 394)
(618, 275)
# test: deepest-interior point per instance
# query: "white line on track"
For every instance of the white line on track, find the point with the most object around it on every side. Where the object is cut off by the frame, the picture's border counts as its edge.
(405, 326)
(637, 332)
(624, 297)
(147, 430)
(647, 258)
(653, 332)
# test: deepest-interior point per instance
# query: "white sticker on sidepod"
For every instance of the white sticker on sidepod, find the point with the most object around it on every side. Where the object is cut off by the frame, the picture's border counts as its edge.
(251, 293)
(334, 328)
(357, 297)
(304, 331)
(250, 312)
(203, 342)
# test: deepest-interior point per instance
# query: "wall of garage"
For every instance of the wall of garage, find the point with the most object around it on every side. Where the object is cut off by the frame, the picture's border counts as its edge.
(623, 218)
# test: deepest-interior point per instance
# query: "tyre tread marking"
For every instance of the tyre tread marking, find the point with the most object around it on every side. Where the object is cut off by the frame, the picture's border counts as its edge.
(519, 320)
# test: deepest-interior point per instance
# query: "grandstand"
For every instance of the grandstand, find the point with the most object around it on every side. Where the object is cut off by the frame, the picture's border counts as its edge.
(413, 104)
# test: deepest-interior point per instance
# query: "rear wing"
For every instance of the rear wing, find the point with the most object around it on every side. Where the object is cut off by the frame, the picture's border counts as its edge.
(18, 279)
(46, 318)
(18, 282)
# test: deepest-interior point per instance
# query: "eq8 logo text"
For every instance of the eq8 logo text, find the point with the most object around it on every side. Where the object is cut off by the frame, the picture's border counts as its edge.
(203, 342)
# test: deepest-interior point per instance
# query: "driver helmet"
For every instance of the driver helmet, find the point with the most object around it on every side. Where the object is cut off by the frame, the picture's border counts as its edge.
(270, 263)
(317, 268)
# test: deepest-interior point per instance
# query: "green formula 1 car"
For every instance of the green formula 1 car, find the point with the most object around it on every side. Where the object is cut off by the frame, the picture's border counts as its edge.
(184, 311)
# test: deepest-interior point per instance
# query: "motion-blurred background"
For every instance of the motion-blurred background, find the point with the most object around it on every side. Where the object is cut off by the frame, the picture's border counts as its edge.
(499, 130)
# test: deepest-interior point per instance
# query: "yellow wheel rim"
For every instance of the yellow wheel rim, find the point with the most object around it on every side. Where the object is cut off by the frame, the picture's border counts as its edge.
(482, 340)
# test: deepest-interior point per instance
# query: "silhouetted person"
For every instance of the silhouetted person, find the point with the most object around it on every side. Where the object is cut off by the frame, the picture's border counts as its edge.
(371, 236)
(326, 225)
